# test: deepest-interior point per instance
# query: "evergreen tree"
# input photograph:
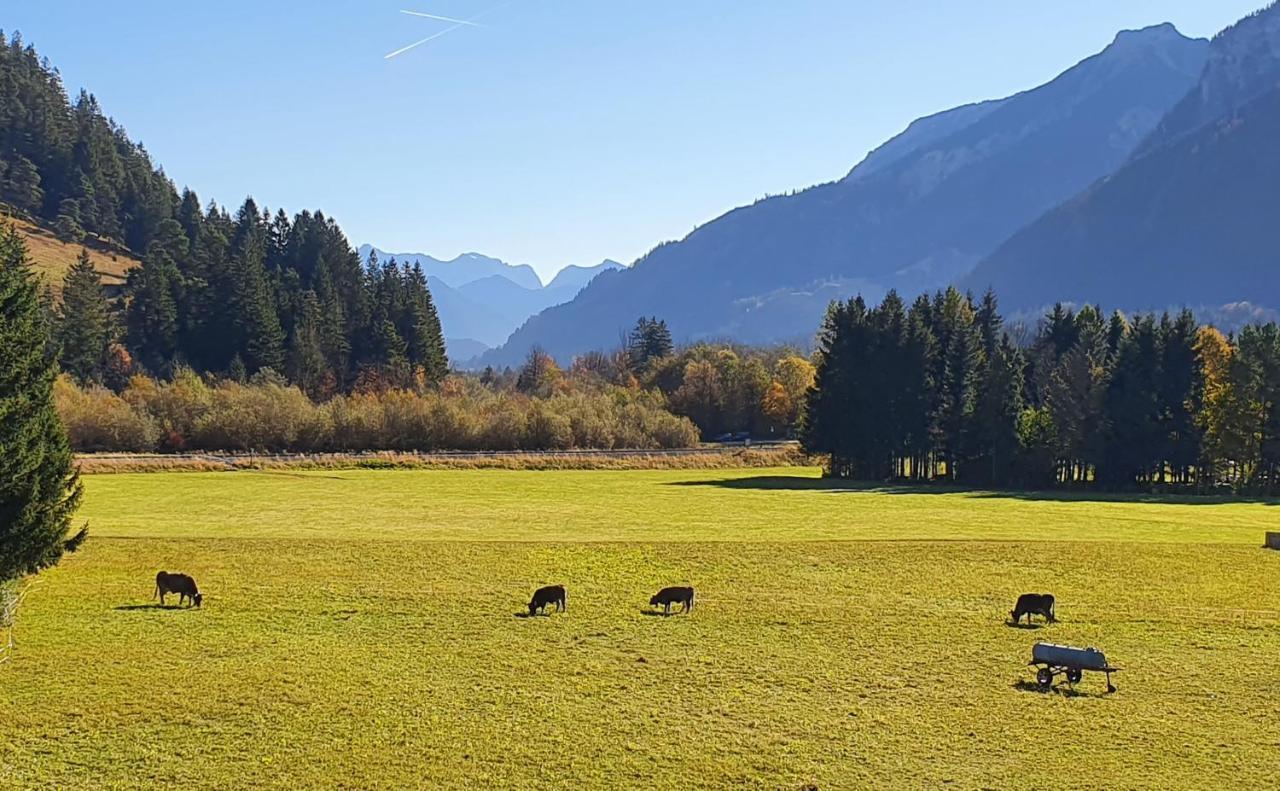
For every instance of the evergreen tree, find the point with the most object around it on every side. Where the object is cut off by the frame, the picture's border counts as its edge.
(84, 322)
(426, 347)
(998, 407)
(260, 338)
(39, 487)
(1180, 379)
(649, 340)
(151, 317)
(21, 186)
(306, 363)
(1132, 405)
(959, 363)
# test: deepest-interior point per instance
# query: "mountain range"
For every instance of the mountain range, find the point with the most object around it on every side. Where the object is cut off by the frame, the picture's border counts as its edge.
(1190, 219)
(482, 300)
(921, 211)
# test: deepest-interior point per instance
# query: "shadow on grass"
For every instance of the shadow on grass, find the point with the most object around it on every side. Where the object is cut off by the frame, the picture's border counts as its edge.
(1065, 691)
(526, 614)
(836, 485)
(660, 613)
(1025, 626)
(130, 607)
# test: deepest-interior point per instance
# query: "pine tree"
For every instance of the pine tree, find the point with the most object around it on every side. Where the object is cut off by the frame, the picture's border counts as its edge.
(1179, 381)
(260, 338)
(648, 341)
(152, 315)
(39, 487)
(306, 364)
(21, 186)
(426, 338)
(84, 323)
(1132, 407)
(997, 408)
(960, 361)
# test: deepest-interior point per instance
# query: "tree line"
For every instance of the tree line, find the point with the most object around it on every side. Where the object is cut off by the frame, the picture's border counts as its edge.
(723, 388)
(219, 293)
(940, 391)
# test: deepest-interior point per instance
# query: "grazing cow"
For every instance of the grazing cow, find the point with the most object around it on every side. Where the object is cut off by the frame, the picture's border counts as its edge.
(180, 584)
(551, 594)
(674, 595)
(1034, 604)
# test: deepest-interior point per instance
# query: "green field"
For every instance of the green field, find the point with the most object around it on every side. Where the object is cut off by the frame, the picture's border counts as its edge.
(359, 631)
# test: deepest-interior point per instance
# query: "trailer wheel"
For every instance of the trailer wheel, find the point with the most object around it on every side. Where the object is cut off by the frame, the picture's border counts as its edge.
(1074, 674)
(1044, 678)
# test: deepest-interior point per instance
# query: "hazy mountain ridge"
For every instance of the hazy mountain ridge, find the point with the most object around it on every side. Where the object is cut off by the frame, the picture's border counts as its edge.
(461, 270)
(482, 300)
(1243, 64)
(1190, 220)
(908, 217)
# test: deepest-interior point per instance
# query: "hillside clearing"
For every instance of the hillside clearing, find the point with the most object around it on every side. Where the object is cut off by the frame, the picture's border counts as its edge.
(51, 257)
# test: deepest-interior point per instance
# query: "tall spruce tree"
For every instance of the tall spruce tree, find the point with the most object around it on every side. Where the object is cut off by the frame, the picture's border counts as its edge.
(151, 317)
(39, 486)
(649, 340)
(84, 322)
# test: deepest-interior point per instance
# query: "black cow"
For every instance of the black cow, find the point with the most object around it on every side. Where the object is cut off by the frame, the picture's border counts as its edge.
(674, 595)
(1034, 604)
(180, 584)
(551, 594)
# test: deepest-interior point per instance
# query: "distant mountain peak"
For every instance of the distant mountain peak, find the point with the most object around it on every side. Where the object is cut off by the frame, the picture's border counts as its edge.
(1146, 36)
(920, 211)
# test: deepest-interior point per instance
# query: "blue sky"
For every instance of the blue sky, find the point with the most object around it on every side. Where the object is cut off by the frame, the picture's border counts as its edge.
(562, 131)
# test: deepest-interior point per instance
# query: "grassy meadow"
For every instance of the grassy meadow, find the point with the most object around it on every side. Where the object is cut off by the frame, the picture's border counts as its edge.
(51, 258)
(360, 631)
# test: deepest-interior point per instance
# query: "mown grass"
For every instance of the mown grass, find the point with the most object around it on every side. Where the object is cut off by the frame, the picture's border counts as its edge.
(359, 631)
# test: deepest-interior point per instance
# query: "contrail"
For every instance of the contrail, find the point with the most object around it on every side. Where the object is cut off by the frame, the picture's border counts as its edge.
(461, 23)
(403, 50)
(441, 18)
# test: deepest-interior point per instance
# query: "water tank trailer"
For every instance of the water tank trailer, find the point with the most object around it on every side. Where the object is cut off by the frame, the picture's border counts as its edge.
(1054, 660)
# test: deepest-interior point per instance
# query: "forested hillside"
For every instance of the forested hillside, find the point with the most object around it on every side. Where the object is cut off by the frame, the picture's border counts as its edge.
(221, 292)
(1190, 220)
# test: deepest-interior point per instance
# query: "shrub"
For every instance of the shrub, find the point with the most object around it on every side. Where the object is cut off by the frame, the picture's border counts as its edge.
(99, 420)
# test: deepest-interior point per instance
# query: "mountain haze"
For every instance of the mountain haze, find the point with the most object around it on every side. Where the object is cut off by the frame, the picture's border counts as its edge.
(919, 212)
(1190, 220)
(482, 300)
(461, 270)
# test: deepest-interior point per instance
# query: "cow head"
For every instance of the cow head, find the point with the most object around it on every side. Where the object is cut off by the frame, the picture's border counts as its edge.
(533, 606)
(1013, 615)
(653, 601)
(197, 598)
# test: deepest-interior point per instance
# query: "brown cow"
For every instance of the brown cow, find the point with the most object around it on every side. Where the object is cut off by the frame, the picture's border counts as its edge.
(551, 594)
(181, 584)
(1034, 604)
(673, 595)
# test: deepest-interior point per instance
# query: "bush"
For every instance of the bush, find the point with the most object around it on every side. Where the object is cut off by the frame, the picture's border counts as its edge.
(190, 413)
(99, 420)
